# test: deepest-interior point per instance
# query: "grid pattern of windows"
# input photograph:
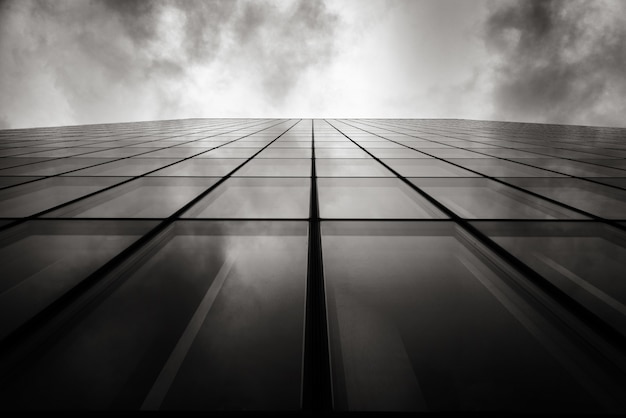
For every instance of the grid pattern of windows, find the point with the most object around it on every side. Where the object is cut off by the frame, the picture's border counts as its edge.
(348, 265)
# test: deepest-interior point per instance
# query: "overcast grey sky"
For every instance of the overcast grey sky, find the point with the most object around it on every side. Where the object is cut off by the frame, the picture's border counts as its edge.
(67, 62)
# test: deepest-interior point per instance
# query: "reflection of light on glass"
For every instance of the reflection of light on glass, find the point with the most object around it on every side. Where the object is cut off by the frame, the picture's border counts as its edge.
(256, 198)
(371, 198)
(28, 199)
(149, 197)
(417, 321)
(48, 259)
(483, 198)
(593, 198)
(585, 262)
(215, 309)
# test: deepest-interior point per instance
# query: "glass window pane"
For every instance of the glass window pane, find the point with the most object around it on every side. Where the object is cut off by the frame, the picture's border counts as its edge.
(175, 152)
(126, 167)
(379, 144)
(481, 198)
(418, 321)
(426, 168)
(279, 167)
(340, 153)
(509, 153)
(211, 318)
(14, 162)
(201, 167)
(31, 198)
(587, 261)
(255, 198)
(604, 201)
(453, 153)
(11, 181)
(229, 153)
(271, 152)
(292, 144)
(619, 182)
(148, 197)
(62, 152)
(117, 153)
(53, 167)
(500, 168)
(247, 144)
(357, 167)
(42, 260)
(575, 168)
(335, 144)
(615, 163)
(372, 198)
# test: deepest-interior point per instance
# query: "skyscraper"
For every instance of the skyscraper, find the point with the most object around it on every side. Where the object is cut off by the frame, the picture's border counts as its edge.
(349, 265)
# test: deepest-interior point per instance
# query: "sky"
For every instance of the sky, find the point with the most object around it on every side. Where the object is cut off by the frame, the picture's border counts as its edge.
(71, 62)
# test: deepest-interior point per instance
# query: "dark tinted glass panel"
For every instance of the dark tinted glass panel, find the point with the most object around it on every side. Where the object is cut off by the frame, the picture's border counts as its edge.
(11, 181)
(419, 322)
(575, 168)
(53, 167)
(229, 153)
(357, 167)
(587, 261)
(117, 153)
(426, 168)
(174, 152)
(452, 153)
(211, 318)
(605, 201)
(285, 153)
(255, 198)
(31, 198)
(42, 260)
(501, 168)
(340, 153)
(201, 167)
(126, 167)
(149, 197)
(279, 167)
(483, 199)
(14, 162)
(397, 153)
(372, 198)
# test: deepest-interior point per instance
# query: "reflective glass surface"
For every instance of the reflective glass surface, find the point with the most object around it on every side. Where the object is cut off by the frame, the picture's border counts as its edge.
(201, 167)
(483, 199)
(429, 265)
(279, 167)
(148, 197)
(419, 322)
(42, 260)
(587, 261)
(501, 168)
(372, 198)
(358, 167)
(426, 168)
(126, 167)
(255, 198)
(211, 318)
(53, 167)
(604, 201)
(31, 198)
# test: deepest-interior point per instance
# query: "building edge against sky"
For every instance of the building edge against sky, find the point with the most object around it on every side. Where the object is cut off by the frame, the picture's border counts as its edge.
(297, 264)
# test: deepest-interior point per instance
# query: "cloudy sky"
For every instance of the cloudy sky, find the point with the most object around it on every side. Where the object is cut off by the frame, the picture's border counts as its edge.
(66, 62)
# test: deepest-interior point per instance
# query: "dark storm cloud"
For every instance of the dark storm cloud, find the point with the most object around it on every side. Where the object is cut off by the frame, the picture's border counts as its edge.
(559, 61)
(112, 60)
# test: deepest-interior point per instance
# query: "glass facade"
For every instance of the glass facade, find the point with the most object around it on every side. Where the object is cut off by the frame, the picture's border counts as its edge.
(357, 265)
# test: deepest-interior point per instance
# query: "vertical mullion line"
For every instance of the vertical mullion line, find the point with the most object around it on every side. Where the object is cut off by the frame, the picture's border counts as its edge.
(316, 379)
